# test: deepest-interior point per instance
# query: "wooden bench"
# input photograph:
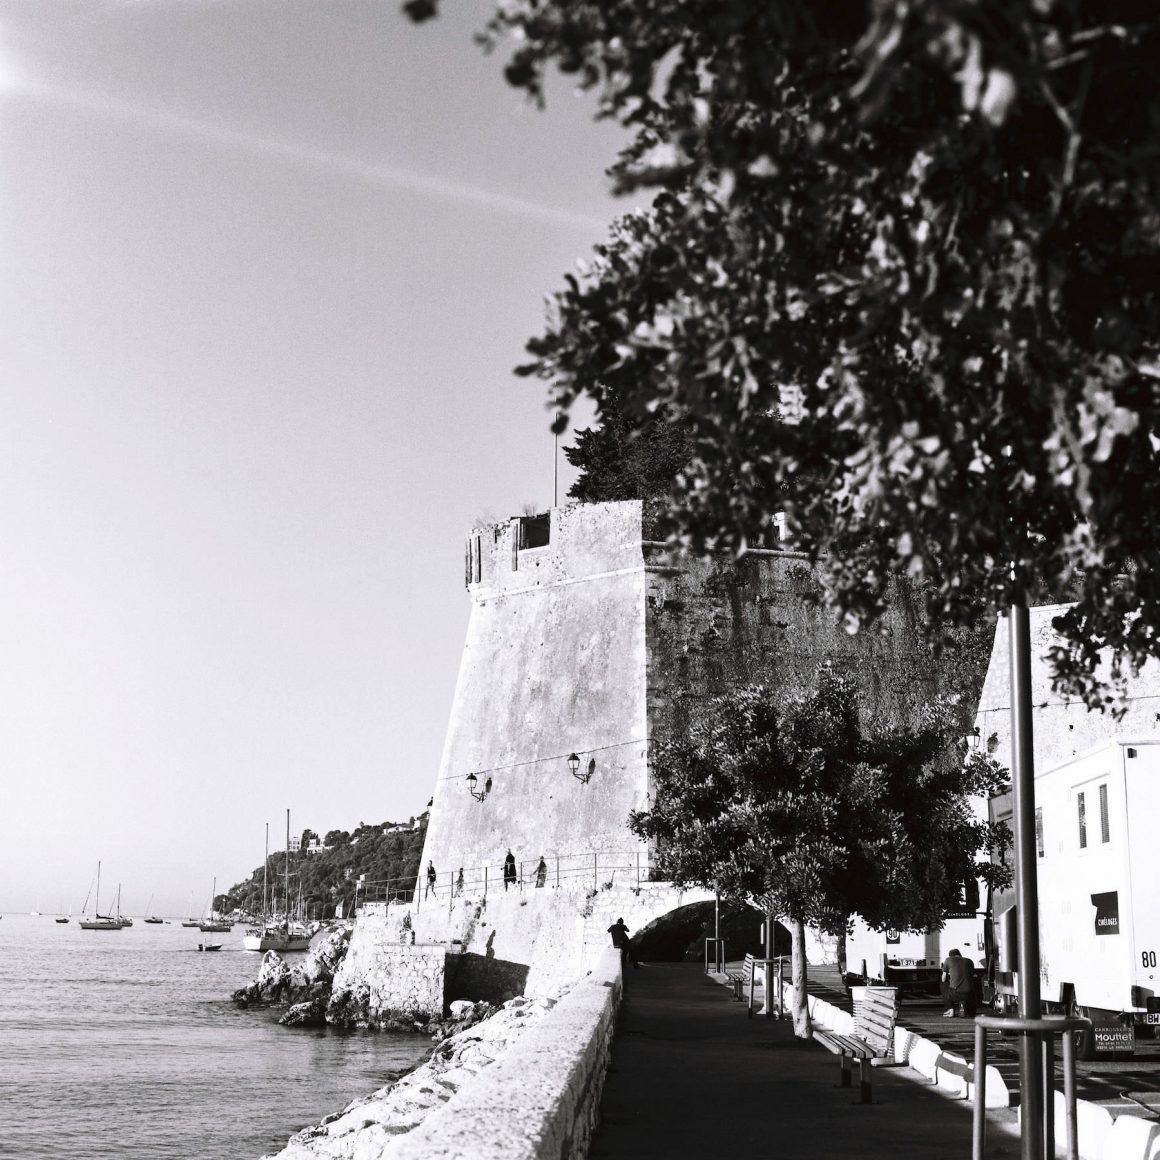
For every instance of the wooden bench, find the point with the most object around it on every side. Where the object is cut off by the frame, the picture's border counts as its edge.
(874, 1020)
(739, 980)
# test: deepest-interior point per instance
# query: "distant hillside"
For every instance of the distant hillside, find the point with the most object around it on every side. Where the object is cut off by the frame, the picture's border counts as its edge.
(328, 868)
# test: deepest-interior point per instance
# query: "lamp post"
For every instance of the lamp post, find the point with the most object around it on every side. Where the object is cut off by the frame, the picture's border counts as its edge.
(478, 794)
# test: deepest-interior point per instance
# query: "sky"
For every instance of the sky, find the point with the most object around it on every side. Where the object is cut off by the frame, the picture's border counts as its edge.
(265, 269)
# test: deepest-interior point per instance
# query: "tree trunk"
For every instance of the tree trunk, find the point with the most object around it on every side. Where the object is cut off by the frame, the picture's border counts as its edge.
(801, 1012)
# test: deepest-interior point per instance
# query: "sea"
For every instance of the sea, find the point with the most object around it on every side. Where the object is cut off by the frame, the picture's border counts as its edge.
(126, 1044)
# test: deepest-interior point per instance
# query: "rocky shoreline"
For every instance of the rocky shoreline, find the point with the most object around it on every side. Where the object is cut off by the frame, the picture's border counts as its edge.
(306, 989)
(471, 1037)
(368, 1126)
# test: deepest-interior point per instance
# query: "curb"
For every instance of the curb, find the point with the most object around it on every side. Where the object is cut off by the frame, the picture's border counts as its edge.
(1101, 1135)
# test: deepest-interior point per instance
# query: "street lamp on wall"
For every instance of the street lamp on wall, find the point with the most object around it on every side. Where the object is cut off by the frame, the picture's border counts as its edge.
(478, 794)
(574, 768)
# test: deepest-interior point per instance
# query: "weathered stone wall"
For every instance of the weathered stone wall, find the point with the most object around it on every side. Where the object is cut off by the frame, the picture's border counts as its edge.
(553, 664)
(1062, 727)
(390, 975)
(541, 1099)
(600, 642)
(713, 625)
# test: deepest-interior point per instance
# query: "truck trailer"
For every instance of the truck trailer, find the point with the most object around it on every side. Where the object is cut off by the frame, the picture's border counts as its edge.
(1098, 871)
(912, 960)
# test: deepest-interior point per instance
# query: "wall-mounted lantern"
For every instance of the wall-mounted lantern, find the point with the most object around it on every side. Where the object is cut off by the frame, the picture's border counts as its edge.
(574, 768)
(478, 794)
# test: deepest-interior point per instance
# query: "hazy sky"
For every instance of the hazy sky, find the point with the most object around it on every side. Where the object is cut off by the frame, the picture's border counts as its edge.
(265, 267)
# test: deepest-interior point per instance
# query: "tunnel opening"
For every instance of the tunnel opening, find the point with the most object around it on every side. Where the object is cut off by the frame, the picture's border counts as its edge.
(678, 936)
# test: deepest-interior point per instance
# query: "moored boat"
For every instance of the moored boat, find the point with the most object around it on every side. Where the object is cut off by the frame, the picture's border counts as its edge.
(277, 936)
(214, 923)
(98, 921)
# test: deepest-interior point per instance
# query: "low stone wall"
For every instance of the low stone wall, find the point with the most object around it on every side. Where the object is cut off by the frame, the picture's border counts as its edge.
(541, 1099)
(382, 976)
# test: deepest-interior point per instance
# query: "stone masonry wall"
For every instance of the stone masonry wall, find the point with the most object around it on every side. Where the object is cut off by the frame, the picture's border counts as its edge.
(713, 625)
(541, 1100)
(396, 976)
(553, 664)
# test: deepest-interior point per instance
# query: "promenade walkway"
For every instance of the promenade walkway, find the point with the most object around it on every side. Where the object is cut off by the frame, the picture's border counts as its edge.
(691, 1076)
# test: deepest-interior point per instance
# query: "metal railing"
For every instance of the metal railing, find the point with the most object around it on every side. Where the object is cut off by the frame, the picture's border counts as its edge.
(1038, 1034)
(590, 870)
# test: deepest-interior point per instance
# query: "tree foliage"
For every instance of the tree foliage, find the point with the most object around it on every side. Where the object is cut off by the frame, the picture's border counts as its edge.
(801, 808)
(805, 809)
(902, 272)
(622, 459)
(380, 852)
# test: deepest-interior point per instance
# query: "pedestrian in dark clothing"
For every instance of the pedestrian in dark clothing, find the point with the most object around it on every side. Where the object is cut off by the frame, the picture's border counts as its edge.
(620, 939)
(459, 883)
(430, 878)
(509, 870)
(958, 983)
(541, 872)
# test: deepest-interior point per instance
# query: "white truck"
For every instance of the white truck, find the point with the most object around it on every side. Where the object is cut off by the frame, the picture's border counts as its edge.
(1098, 873)
(912, 960)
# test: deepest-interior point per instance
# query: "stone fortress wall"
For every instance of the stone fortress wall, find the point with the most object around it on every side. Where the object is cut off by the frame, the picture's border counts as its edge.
(587, 637)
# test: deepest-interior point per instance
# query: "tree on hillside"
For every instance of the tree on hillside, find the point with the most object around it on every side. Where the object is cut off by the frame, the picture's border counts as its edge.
(933, 229)
(799, 808)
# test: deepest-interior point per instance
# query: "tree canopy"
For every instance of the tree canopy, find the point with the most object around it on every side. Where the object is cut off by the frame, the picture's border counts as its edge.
(901, 278)
(815, 816)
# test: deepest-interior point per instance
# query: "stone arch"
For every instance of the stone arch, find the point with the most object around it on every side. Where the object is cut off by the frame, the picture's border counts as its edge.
(678, 935)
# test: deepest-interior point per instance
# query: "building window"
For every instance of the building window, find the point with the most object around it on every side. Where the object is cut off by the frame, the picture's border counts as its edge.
(1039, 831)
(1082, 813)
(1105, 825)
(535, 531)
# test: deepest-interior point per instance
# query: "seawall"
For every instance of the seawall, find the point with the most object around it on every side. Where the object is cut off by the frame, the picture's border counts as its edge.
(541, 1099)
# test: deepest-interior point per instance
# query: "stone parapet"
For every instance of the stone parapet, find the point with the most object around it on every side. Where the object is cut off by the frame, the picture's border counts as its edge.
(539, 1101)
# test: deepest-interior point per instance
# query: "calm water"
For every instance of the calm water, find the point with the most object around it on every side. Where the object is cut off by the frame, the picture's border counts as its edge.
(125, 1044)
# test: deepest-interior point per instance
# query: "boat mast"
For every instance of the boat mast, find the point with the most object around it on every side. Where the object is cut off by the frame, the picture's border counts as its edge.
(265, 871)
(287, 894)
(97, 901)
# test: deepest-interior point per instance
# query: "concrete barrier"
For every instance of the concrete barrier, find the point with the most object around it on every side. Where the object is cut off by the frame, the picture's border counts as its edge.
(541, 1099)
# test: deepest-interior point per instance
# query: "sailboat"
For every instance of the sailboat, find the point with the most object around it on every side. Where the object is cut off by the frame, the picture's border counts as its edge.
(191, 921)
(277, 936)
(150, 917)
(213, 922)
(122, 919)
(99, 921)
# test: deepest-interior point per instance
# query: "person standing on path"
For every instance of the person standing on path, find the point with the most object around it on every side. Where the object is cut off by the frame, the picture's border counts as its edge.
(509, 870)
(541, 872)
(621, 940)
(430, 877)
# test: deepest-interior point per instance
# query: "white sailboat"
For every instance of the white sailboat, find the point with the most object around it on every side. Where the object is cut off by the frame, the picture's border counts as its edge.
(213, 922)
(99, 921)
(282, 936)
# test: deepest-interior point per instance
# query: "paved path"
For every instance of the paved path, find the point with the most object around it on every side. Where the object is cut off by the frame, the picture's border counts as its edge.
(691, 1076)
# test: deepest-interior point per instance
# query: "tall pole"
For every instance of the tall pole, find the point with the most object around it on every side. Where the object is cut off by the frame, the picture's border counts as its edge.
(265, 872)
(287, 893)
(1032, 1095)
(555, 463)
